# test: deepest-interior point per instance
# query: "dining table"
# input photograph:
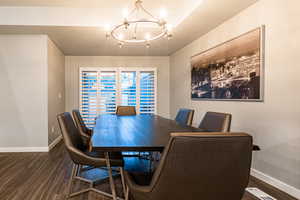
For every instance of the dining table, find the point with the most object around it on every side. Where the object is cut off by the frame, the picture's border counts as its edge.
(139, 133)
(136, 133)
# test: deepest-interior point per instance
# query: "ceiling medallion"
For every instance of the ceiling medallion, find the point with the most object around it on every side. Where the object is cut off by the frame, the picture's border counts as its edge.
(140, 27)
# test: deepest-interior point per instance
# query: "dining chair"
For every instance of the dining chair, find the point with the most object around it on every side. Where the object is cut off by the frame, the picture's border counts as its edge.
(216, 122)
(185, 117)
(84, 130)
(208, 166)
(80, 156)
(126, 110)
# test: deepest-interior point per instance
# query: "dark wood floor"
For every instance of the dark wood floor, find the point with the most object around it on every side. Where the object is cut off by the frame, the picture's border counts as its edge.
(44, 176)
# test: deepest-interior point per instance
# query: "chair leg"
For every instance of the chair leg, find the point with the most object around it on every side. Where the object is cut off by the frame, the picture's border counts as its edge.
(127, 193)
(123, 180)
(78, 170)
(74, 169)
(111, 180)
(75, 175)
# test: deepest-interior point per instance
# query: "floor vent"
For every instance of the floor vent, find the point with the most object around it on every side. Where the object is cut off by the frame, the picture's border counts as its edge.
(259, 194)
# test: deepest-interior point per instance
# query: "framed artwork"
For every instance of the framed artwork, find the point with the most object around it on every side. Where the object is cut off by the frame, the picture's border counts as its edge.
(232, 70)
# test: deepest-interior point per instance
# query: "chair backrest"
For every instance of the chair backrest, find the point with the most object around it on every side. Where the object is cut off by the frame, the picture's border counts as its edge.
(216, 122)
(79, 121)
(126, 110)
(203, 166)
(185, 117)
(70, 133)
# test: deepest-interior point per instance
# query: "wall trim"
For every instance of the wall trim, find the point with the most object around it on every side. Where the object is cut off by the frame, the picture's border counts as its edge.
(31, 149)
(55, 142)
(23, 149)
(276, 183)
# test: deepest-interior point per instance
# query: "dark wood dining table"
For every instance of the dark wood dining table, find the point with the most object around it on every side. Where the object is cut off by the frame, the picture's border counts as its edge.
(138, 133)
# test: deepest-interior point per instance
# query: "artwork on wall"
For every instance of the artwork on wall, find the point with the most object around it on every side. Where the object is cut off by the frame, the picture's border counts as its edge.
(230, 71)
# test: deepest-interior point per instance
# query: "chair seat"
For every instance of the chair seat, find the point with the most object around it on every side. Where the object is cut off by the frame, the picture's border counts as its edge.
(116, 158)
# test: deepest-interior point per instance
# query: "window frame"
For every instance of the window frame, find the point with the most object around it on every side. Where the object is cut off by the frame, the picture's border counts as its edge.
(118, 71)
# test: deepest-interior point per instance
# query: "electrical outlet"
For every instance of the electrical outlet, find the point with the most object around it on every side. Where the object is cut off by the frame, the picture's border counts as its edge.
(59, 95)
(52, 129)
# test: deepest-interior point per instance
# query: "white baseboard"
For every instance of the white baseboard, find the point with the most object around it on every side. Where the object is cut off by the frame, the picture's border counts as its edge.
(55, 142)
(276, 183)
(31, 149)
(23, 149)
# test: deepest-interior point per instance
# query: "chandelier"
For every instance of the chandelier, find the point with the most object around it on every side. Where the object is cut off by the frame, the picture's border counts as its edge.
(140, 27)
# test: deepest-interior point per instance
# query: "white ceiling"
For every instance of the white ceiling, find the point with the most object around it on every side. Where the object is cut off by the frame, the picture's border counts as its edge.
(110, 11)
(191, 18)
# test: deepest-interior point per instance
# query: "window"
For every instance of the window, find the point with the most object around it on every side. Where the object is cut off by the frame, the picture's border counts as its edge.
(147, 92)
(128, 88)
(103, 89)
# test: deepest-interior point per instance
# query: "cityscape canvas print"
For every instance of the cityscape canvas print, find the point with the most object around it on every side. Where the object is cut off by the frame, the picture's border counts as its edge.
(230, 71)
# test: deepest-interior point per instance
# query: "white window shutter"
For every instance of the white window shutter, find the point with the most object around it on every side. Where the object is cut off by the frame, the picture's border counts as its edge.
(147, 92)
(88, 96)
(103, 89)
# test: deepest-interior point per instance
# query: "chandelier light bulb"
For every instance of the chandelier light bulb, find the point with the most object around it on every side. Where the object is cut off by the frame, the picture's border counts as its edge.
(107, 27)
(169, 27)
(125, 13)
(163, 14)
(120, 36)
(147, 36)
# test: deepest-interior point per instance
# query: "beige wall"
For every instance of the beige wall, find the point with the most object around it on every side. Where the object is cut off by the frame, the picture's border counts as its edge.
(74, 63)
(56, 89)
(23, 86)
(275, 123)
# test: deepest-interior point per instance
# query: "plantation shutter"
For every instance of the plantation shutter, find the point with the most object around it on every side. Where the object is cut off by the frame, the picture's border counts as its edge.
(103, 89)
(147, 92)
(107, 92)
(128, 86)
(88, 96)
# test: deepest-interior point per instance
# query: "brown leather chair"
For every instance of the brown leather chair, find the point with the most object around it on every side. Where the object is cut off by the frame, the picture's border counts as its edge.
(206, 166)
(80, 156)
(216, 122)
(185, 117)
(84, 130)
(126, 110)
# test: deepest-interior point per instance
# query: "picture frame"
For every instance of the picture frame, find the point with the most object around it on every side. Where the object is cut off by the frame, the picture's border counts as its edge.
(231, 71)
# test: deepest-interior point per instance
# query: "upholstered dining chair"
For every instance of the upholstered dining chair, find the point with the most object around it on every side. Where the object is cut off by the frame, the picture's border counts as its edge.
(185, 117)
(84, 131)
(80, 156)
(208, 166)
(126, 110)
(216, 122)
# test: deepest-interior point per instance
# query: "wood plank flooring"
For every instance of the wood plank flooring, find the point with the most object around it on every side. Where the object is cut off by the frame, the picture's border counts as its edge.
(44, 176)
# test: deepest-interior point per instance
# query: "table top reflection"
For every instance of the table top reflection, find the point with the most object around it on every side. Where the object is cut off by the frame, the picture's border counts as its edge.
(134, 133)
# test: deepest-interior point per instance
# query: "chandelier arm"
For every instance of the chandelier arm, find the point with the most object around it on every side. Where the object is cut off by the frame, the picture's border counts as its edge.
(163, 33)
(132, 12)
(141, 6)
